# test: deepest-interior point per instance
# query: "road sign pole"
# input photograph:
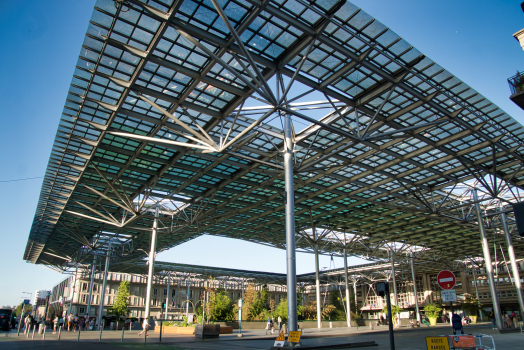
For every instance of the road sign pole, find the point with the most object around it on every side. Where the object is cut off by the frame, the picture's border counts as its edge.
(487, 259)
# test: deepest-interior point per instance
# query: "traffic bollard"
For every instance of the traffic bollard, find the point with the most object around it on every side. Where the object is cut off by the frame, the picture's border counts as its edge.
(160, 331)
(43, 335)
(100, 336)
(145, 334)
(59, 332)
(122, 340)
(33, 335)
(78, 339)
(130, 324)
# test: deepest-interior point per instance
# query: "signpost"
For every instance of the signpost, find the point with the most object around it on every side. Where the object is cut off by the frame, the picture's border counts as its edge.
(280, 341)
(448, 295)
(240, 303)
(446, 279)
(294, 337)
(437, 343)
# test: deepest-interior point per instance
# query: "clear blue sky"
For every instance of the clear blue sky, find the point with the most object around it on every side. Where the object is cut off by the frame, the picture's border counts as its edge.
(40, 45)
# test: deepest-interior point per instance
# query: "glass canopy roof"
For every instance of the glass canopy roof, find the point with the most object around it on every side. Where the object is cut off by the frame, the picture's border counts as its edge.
(181, 103)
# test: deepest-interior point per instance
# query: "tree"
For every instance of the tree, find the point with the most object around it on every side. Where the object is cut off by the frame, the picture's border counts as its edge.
(121, 304)
(281, 309)
(471, 305)
(221, 307)
(395, 311)
(18, 310)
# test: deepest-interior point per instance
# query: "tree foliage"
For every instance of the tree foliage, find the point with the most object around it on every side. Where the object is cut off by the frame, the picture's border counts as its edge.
(18, 310)
(395, 309)
(121, 305)
(471, 304)
(433, 310)
(220, 307)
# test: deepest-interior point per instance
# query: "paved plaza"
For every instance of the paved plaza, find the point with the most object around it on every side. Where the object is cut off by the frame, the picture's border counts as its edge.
(409, 339)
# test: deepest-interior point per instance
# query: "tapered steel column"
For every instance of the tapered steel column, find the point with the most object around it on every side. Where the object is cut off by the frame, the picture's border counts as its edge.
(513, 261)
(393, 277)
(73, 291)
(187, 299)
(348, 304)
(355, 292)
(317, 286)
(290, 227)
(102, 293)
(487, 259)
(414, 286)
(167, 298)
(151, 270)
(476, 289)
(91, 283)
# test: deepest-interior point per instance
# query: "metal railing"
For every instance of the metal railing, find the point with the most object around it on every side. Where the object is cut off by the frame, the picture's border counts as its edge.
(516, 83)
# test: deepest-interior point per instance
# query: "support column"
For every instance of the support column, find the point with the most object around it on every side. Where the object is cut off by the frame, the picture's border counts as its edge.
(167, 299)
(187, 299)
(317, 285)
(91, 284)
(513, 261)
(476, 288)
(151, 270)
(415, 286)
(348, 304)
(102, 292)
(355, 291)
(72, 291)
(489, 265)
(393, 277)
(290, 227)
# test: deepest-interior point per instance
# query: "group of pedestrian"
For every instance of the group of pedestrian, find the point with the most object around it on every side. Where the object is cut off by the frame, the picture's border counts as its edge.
(72, 323)
(510, 321)
(271, 324)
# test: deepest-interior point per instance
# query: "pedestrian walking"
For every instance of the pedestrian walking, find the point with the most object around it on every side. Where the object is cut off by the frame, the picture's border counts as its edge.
(27, 323)
(279, 319)
(492, 318)
(56, 324)
(69, 322)
(145, 326)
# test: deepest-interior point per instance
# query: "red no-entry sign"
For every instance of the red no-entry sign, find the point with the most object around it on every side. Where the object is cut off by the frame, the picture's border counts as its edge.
(446, 279)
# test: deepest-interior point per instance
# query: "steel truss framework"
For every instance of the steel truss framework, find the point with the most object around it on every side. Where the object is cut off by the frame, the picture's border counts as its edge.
(181, 102)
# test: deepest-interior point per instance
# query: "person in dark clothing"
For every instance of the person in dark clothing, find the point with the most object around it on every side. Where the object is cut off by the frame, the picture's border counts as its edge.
(456, 323)
(492, 318)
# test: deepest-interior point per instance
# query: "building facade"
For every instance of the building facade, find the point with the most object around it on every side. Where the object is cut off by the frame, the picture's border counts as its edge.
(185, 294)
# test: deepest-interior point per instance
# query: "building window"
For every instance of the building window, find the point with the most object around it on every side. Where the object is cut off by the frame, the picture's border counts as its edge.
(154, 302)
(155, 291)
(84, 298)
(165, 292)
(84, 287)
(81, 310)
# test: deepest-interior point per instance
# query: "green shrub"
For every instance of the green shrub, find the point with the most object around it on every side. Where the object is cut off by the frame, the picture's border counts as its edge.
(433, 310)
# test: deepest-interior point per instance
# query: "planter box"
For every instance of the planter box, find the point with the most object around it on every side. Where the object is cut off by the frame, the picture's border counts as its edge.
(176, 330)
(226, 330)
(207, 331)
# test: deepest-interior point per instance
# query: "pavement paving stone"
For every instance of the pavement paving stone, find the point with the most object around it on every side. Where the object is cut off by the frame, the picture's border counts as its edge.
(405, 339)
